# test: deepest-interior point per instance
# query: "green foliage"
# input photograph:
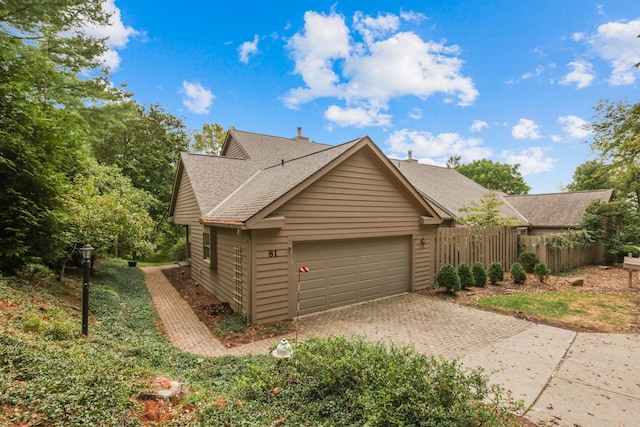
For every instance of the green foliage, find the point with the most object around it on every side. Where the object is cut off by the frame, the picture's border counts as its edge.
(528, 261)
(467, 279)
(448, 278)
(479, 274)
(625, 250)
(50, 72)
(484, 214)
(590, 175)
(616, 223)
(342, 381)
(496, 273)
(209, 140)
(233, 324)
(541, 272)
(495, 176)
(518, 275)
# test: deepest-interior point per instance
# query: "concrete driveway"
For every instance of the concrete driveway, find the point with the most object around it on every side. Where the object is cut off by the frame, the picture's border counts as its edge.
(565, 378)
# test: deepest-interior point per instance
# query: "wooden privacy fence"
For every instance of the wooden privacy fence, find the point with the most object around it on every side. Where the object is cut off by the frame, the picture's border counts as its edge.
(455, 245)
(563, 258)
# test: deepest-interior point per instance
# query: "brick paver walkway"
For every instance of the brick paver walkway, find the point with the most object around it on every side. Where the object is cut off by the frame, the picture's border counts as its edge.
(431, 326)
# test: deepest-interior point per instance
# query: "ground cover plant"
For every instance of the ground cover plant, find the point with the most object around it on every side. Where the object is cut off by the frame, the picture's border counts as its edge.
(55, 377)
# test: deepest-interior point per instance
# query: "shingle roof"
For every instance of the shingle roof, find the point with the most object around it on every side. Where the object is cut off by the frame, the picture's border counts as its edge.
(268, 150)
(214, 178)
(561, 210)
(448, 190)
(272, 182)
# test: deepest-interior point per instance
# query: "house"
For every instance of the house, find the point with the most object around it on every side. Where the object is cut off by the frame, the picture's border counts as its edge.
(268, 205)
(365, 225)
(555, 212)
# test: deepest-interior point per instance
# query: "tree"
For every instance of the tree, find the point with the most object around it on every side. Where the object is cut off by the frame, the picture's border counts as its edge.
(484, 214)
(616, 129)
(495, 176)
(145, 144)
(590, 175)
(616, 223)
(50, 70)
(210, 139)
(453, 162)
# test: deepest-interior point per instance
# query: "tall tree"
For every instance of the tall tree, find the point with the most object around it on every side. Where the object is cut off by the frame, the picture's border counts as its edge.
(145, 144)
(590, 175)
(42, 56)
(616, 129)
(495, 176)
(210, 139)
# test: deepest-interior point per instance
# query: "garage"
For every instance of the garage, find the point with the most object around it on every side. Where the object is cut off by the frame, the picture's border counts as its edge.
(344, 272)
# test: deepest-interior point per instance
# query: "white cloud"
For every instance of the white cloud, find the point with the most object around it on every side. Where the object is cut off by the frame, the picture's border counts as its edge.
(386, 64)
(478, 125)
(582, 74)
(531, 160)
(577, 36)
(526, 129)
(357, 116)
(197, 99)
(617, 43)
(574, 127)
(435, 149)
(248, 48)
(415, 113)
(117, 35)
(538, 70)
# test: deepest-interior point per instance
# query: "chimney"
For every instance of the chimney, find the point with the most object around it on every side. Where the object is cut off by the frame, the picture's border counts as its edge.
(300, 137)
(410, 159)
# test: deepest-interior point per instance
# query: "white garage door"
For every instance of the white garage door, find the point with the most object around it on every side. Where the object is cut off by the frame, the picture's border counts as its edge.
(344, 272)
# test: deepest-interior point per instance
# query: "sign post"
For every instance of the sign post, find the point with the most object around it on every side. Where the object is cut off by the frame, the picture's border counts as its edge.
(301, 270)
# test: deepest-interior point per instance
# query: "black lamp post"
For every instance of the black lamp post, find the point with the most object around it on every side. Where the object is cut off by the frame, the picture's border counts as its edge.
(86, 251)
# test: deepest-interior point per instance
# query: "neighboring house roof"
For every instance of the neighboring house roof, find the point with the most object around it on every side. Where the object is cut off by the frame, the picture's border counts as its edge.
(557, 210)
(449, 190)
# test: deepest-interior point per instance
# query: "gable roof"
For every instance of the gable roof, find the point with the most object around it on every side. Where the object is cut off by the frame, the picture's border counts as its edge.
(557, 210)
(449, 190)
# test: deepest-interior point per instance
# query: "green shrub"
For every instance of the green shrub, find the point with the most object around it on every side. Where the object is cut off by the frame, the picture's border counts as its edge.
(496, 273)
(627, 249)
(466, 276)
(518, 275)
(448, 278)
(541, 271)
(528, 261)
(479, 274)
(353, 382)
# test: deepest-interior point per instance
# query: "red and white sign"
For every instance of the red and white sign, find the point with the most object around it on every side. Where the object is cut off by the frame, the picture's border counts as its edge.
(303, 270)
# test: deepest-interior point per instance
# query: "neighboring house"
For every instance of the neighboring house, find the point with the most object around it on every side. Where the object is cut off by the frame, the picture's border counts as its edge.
(556, 212)
(270, 205)
(365, 225)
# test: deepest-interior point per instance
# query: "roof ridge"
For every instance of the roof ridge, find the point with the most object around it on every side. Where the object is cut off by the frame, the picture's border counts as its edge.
(331, 147)
(244, 184)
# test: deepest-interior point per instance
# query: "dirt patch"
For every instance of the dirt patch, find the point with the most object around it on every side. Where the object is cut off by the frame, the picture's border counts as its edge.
(598, 280)
(229, 329)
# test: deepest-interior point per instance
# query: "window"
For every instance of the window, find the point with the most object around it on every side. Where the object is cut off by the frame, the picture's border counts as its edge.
(210, 247)
(206, 245)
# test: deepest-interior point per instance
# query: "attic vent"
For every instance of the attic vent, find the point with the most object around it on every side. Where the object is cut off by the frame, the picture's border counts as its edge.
(410, 158)
(282, 162)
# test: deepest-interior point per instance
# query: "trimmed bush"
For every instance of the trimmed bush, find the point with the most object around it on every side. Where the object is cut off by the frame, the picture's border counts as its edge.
(479, 274)
(496, 273)
(541, 272)
(466, 276)
(528, 261)
(448, 278)
(627, 249)
(518, 275)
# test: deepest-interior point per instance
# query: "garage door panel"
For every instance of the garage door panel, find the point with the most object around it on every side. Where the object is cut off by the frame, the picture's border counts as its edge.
(353, 271)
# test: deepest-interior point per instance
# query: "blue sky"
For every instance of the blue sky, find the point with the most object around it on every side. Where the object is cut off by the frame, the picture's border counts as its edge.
(510, 81)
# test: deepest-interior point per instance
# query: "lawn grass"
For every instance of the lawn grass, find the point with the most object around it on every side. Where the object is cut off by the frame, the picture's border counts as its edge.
(580, 309)
(53, 376)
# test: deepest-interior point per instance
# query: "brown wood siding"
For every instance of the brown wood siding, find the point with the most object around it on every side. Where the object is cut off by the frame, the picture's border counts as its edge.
(271, 293)
(186, 211)
(355, 200)
(221, 282)
(234, 150)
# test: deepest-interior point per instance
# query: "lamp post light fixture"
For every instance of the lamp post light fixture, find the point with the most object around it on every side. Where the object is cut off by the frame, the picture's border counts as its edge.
(86, 251)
